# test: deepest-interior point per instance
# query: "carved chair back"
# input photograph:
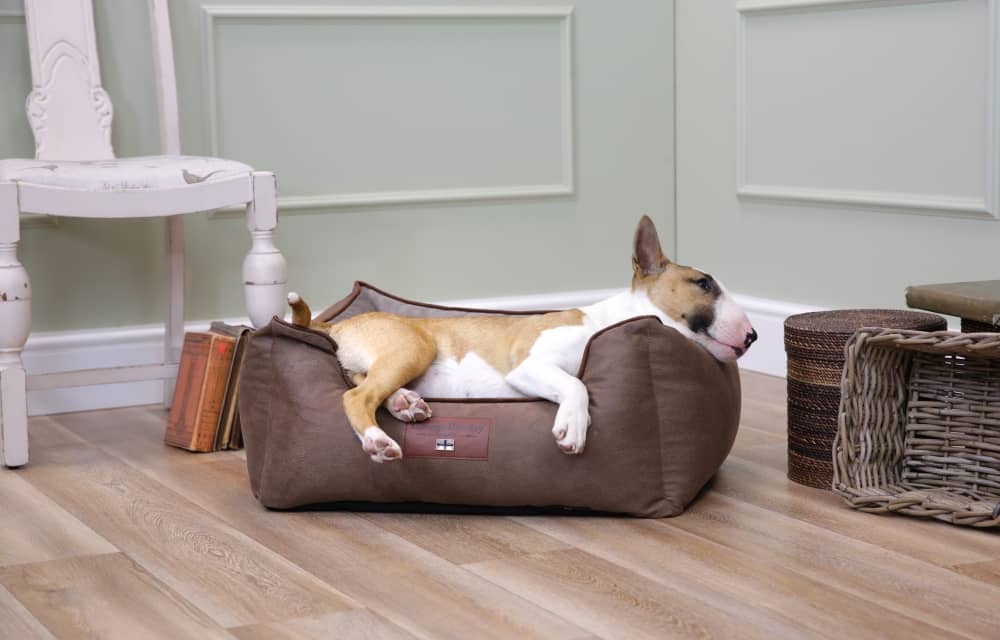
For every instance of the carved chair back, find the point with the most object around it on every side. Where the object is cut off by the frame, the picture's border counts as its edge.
(68, 109)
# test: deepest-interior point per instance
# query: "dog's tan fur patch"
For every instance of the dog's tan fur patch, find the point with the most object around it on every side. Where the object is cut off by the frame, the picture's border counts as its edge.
(675, 293)
(670, 286)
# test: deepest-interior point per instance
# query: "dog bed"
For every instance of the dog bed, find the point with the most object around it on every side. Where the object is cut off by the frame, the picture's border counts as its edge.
(664, 414)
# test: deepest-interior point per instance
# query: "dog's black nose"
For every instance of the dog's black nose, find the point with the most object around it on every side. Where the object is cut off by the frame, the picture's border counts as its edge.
(751, 338)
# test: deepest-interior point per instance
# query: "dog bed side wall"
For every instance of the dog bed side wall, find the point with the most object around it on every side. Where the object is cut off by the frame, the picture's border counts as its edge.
(284, 401)
(698, 401)
(642, 370)
(254, 404)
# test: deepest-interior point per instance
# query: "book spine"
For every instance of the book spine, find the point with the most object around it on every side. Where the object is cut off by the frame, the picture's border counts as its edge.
(213, 389)
(181, 423)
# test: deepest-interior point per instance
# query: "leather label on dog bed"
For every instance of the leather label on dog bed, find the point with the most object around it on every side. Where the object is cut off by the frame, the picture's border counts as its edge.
(460, 438)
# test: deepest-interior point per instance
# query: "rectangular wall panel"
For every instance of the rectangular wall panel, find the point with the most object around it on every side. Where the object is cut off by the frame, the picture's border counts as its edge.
(869, 103)
(374, 105)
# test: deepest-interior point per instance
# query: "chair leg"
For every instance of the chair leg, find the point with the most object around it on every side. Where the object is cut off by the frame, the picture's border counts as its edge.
(174, 335)
(15, 320)
(265, 272)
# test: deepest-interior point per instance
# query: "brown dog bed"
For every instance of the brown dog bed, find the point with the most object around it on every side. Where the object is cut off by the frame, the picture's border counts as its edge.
(664, 414)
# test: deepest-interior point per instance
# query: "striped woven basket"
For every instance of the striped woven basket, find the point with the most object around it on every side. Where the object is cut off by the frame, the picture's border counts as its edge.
(919, 425)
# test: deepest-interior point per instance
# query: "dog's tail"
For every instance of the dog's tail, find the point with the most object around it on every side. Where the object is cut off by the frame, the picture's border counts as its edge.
(302, 314)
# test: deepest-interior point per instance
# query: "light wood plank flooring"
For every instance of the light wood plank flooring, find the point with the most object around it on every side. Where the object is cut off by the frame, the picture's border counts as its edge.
(110, 534)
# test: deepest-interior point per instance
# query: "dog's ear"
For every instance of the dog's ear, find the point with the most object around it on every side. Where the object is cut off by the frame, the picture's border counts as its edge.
(647, 255)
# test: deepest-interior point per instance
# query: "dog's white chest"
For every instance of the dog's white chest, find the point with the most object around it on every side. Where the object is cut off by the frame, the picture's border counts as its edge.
(470, 377)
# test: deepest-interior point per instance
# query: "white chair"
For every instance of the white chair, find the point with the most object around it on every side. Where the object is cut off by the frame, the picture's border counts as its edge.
(75, 173)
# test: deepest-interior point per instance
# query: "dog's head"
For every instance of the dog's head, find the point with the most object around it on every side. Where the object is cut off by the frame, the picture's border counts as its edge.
(695, 303)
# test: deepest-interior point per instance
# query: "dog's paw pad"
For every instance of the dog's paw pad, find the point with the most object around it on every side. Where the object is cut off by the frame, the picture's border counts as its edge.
(570, 429)
(408, 406)
(379, 446)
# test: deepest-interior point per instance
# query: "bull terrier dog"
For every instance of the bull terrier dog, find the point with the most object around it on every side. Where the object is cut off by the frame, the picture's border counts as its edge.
(396, 361)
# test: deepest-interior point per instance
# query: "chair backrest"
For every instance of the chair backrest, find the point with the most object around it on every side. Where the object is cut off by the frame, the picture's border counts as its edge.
(68, 109)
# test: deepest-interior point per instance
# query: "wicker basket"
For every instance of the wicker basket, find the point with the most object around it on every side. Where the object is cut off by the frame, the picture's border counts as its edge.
(919, 425)
(815, 343)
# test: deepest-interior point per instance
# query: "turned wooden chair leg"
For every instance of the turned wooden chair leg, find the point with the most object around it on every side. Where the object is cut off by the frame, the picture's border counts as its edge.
(173, 339)
(265, 272)
(15, 320)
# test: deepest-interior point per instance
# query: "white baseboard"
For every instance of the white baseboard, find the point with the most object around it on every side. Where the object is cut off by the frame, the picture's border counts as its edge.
(58, 351)
(95, 348)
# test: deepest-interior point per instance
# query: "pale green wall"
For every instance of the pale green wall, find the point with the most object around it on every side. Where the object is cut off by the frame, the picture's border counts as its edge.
(90, 274)
(833, 256)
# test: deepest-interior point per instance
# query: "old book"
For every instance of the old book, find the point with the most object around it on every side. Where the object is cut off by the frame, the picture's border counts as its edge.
(229, 416)
(236, 441)
(200, 390)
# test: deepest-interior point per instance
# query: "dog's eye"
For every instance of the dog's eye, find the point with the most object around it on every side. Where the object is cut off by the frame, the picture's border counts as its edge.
(705, 284)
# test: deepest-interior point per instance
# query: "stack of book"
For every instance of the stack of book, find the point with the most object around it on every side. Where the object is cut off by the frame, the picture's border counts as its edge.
(204, 415)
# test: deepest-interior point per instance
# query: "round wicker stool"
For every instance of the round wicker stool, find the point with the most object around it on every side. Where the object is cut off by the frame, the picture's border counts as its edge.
(814, 344)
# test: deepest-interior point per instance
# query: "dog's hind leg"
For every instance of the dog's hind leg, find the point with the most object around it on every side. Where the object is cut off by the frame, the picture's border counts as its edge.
(405, 405)
(409, 354)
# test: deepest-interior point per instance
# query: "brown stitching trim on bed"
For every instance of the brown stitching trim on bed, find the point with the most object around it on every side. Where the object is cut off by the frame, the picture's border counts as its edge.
(586, 350)
(339, 307)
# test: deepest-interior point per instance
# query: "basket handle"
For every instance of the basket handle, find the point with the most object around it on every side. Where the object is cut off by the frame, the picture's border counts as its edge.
(983, 345)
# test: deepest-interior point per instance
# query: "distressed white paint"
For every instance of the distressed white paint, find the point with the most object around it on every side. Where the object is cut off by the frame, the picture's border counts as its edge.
(69, 110)
(13, 415)
(885, 105)
(166, 80)
(265, 271)
(70, 115)
(170, 143)
(15, 320)
(134, 204)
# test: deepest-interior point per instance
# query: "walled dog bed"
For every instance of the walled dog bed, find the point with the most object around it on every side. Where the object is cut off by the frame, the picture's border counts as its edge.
(664, 414)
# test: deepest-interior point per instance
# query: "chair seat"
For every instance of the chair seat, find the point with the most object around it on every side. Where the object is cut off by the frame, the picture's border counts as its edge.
(121, 174)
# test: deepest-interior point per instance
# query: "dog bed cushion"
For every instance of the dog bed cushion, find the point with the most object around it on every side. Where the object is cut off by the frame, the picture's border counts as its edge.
(664, 414)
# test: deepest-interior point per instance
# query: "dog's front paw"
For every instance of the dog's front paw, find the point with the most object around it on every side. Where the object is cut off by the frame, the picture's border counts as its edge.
(407, 406)
(570, 429)
(379, 446)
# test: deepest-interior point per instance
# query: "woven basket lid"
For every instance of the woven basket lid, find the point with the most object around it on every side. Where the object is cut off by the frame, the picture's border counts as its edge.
(823, 334)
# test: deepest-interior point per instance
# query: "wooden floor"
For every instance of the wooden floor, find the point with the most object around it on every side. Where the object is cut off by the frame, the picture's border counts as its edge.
(109, 534)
